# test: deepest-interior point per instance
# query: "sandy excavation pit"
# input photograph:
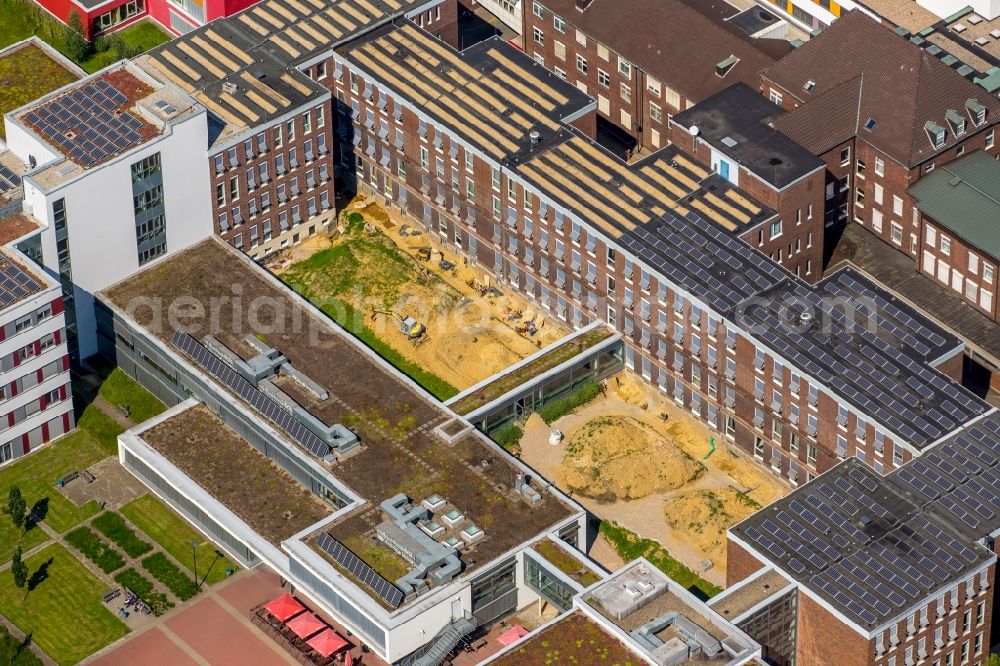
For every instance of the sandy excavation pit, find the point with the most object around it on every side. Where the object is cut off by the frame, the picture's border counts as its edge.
(467, 338)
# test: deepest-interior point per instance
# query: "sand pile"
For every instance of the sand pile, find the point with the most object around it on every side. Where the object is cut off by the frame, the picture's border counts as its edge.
(613, 458)
(703, 516)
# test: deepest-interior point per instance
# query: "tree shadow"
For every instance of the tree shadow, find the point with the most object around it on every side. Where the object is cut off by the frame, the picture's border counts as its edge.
(41, 574)
(38, 512)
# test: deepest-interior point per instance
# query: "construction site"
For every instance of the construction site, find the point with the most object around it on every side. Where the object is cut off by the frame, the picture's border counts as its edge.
(438, 312)
(632, 453)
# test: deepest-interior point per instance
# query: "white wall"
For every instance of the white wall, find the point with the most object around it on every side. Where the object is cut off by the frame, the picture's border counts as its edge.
(101, 217)
(512, 19)
(25, 144)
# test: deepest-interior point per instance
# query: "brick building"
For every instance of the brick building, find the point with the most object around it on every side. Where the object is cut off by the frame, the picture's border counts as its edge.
(654, 248)
(640, 78)
(882, 113)
(959, 212)
(892, 570)
(728, 133)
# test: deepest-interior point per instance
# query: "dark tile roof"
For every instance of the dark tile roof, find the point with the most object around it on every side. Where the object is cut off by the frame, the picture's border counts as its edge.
(734, 122)
(964, 196)
(826, 121)
(865, 544)
(901, 88)
(663, 45)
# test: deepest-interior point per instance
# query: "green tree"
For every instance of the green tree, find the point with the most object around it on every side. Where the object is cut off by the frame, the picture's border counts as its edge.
(18, 569)
(77, 46)
(993, 660)
(16, 506)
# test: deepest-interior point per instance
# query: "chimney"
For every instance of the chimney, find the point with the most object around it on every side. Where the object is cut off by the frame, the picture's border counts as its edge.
(581, 5)
(534, 137)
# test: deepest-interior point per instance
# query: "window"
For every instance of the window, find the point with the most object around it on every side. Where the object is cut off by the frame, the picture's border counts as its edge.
(625, 68)
(845, 156)
(990, 139)
(603, 78)
(537, 10)
(879, 194)
(775, 96)
(653, 86)
(879, 166)
(581, 64)
(626, 92)
(945, 246)
(581, 38)
(655, 112)
(538, 35)
(897, 233)
(558, 23)
(775, 229)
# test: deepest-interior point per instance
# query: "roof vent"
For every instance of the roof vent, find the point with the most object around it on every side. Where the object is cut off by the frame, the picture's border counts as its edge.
(259, 75)
(864, 521)
(534, 137)
(728, 141)
(805, 319)
(581, 5)
(229, 87)
(955, 181)
(809, 86)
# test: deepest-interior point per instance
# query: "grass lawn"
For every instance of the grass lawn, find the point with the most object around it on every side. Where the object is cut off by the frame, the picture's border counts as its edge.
(63, 614)
(173, 534)
(118, 389)
(36, 476)
(13, 654)
(138, 38)
(630, 545)
(26, 75)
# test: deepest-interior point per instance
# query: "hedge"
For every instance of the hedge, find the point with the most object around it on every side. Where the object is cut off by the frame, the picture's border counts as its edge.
(559, 408)
(100, 553)
(113, 526)
(509, 437)
(144, 589)
(165, 571)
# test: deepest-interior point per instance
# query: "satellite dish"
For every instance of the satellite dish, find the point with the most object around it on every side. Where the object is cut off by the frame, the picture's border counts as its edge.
(694, 130)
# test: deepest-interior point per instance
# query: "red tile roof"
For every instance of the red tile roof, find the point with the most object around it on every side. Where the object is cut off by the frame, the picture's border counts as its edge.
(862, 68)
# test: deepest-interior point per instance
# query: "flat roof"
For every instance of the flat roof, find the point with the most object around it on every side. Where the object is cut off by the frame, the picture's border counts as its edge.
(242, 479)
(903, 13)
(865, 545)
(93, 120)
(975, 33)
(11, 171)
(964, 197)
(18, 281)
(734, 121)
(243, 67)
(578, 640)
(893, 269)
(733, 602)
(399, 451)
(16, 226)
(465, 91)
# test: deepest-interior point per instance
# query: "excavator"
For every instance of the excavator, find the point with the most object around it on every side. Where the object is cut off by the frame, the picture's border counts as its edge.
(414, 331)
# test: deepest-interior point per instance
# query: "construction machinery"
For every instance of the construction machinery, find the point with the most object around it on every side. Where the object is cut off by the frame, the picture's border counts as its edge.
(414, 331)
(424, 254)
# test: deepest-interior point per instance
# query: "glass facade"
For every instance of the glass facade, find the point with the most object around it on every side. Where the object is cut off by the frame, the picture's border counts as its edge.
(551, 588)
(774, 627)
(59, 223)
(494, 595)
(147, 199)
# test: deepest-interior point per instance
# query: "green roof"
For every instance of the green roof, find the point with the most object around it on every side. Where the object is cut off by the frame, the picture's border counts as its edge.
(964, 197)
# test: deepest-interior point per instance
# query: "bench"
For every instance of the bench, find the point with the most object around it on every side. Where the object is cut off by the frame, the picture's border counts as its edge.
(88, 476)
(112, 595)
(69, 477)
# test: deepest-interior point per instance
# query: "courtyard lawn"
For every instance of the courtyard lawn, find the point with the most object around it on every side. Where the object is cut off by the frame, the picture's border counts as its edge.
(137, 38)
(26, 75)
(63, 613)
(120, 389)
(172, 533)
(36, 476)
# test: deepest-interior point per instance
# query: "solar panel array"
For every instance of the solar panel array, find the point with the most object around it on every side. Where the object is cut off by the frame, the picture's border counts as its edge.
(879, 379)
(862, 543)
(85, 125)
(254, 397)
(15, 284)
(8, 179)
(703, 259)
(353, 564)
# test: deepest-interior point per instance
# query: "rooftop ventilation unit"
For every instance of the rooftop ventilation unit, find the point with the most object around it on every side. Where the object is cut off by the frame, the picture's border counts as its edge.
(809, 86)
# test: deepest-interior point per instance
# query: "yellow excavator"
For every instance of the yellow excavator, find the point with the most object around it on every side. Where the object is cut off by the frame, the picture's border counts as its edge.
(408, 326)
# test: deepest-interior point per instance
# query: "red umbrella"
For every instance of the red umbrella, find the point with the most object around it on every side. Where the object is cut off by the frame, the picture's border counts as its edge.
(284, 607)
(327, 642)
(512, 635)
(305, 625)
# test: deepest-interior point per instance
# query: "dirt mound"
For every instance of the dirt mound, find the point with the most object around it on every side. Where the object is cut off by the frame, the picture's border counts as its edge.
(703, 516)
(613, 458)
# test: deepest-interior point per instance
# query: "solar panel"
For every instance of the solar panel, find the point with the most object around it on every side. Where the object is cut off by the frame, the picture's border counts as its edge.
(244, 389)
(93, 112)
(386, 591)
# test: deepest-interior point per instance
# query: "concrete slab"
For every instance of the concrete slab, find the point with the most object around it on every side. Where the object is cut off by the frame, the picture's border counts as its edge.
(221, 639)
(151, 647)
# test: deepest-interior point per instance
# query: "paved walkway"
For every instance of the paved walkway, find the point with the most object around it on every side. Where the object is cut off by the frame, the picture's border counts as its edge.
(214, 628)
